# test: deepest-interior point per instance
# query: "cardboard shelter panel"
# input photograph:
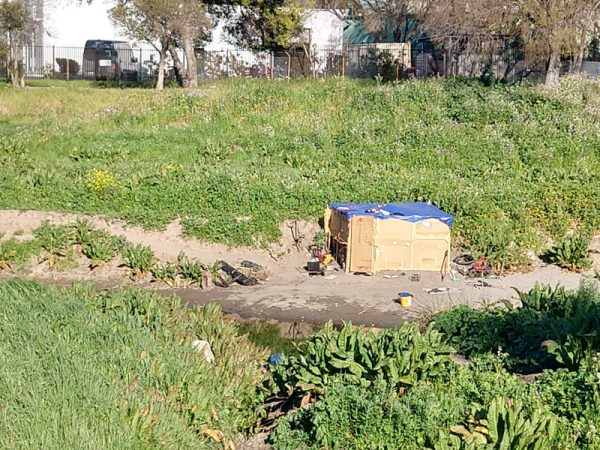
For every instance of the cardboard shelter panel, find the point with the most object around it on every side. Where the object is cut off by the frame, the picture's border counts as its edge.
(430, 254)
(393, 244)
(339, 227)
(361, 244)
(375, 244)
(431, 229)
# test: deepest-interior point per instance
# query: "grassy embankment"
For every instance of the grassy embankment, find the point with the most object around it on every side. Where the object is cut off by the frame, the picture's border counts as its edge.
(517, 166)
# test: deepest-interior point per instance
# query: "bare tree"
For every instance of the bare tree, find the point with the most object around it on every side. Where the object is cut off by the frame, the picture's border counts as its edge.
(399, 20)
(14, 20)
(552, 29)
(542, 30)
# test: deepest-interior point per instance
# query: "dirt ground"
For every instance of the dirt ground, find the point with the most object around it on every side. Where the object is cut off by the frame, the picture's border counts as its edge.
(289, 294)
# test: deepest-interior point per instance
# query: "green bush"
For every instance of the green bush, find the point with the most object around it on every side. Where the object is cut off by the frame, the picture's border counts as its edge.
(554, 327)
(355, 417)
(101, 247)
(503, 424)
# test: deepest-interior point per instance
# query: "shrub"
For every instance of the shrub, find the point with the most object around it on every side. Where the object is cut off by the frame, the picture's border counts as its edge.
(554, 327)
(504, 423)
(355, 417)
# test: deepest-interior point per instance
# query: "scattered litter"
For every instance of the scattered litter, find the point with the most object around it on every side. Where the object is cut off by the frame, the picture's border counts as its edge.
(391, 276)
(366, 274)
(237, 276)
(251, 265)
(331, 277)
(314, 267)
(481, 283)
(405, 299)
(415, 277)
(453, 276)
(464, 260)
(442, 290)
(203, 347)
(365, 310)
(492, 277)
(275, 358)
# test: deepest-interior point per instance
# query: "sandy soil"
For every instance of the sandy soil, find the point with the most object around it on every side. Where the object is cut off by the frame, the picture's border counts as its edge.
(290, 294)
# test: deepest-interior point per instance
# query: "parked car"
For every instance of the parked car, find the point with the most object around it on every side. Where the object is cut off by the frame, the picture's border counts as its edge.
(109, 60)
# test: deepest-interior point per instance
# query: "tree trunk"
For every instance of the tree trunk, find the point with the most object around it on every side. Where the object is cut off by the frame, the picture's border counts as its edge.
(190, 55)
(160, 80)
(179, 69)
(15, 65)
(553, 70)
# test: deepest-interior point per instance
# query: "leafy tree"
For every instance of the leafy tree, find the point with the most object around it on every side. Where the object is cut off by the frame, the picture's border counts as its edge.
(260, 24)
(14, 20)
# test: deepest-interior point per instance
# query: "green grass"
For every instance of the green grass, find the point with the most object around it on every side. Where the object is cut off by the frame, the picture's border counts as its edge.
(233, 159)
(94, 370)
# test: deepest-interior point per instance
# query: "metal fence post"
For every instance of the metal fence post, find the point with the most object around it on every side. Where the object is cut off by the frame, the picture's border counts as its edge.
(227, 63)
(141, 67)
(53, 62)
(68, 69)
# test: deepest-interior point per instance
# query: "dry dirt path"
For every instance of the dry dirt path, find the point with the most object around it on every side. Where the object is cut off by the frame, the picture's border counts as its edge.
(289, 295)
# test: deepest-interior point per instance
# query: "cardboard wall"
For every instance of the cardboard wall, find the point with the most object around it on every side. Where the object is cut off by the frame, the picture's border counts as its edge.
(375, 245)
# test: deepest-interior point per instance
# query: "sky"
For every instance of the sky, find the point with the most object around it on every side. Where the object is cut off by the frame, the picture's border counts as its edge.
(70, 23)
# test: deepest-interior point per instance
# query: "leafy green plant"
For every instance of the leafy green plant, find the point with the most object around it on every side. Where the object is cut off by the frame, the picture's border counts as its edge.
(167, 273)
(192, 272)
(100, 248)
(504, 424)
(14, 252)
(7, 256)
(82, 232)
(54, 240)
(401, 356)
(139, 258)
(571, 253)
(546, 298)
(355, 417)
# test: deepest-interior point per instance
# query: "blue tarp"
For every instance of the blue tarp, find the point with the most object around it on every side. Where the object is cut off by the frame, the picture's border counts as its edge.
(410, 211)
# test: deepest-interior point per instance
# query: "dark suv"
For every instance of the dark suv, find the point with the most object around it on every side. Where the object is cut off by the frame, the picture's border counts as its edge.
(109, 60)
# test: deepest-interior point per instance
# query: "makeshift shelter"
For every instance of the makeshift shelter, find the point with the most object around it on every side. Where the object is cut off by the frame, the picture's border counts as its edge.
(371, 237)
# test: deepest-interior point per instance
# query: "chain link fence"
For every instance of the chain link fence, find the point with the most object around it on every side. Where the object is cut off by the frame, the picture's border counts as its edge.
(369, 61)
(141, 64)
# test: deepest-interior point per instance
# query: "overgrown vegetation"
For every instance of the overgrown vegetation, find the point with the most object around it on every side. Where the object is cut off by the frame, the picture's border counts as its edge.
(62, 244)
(516, 166)
(118, 370)
(480, 405)
(129, 353)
